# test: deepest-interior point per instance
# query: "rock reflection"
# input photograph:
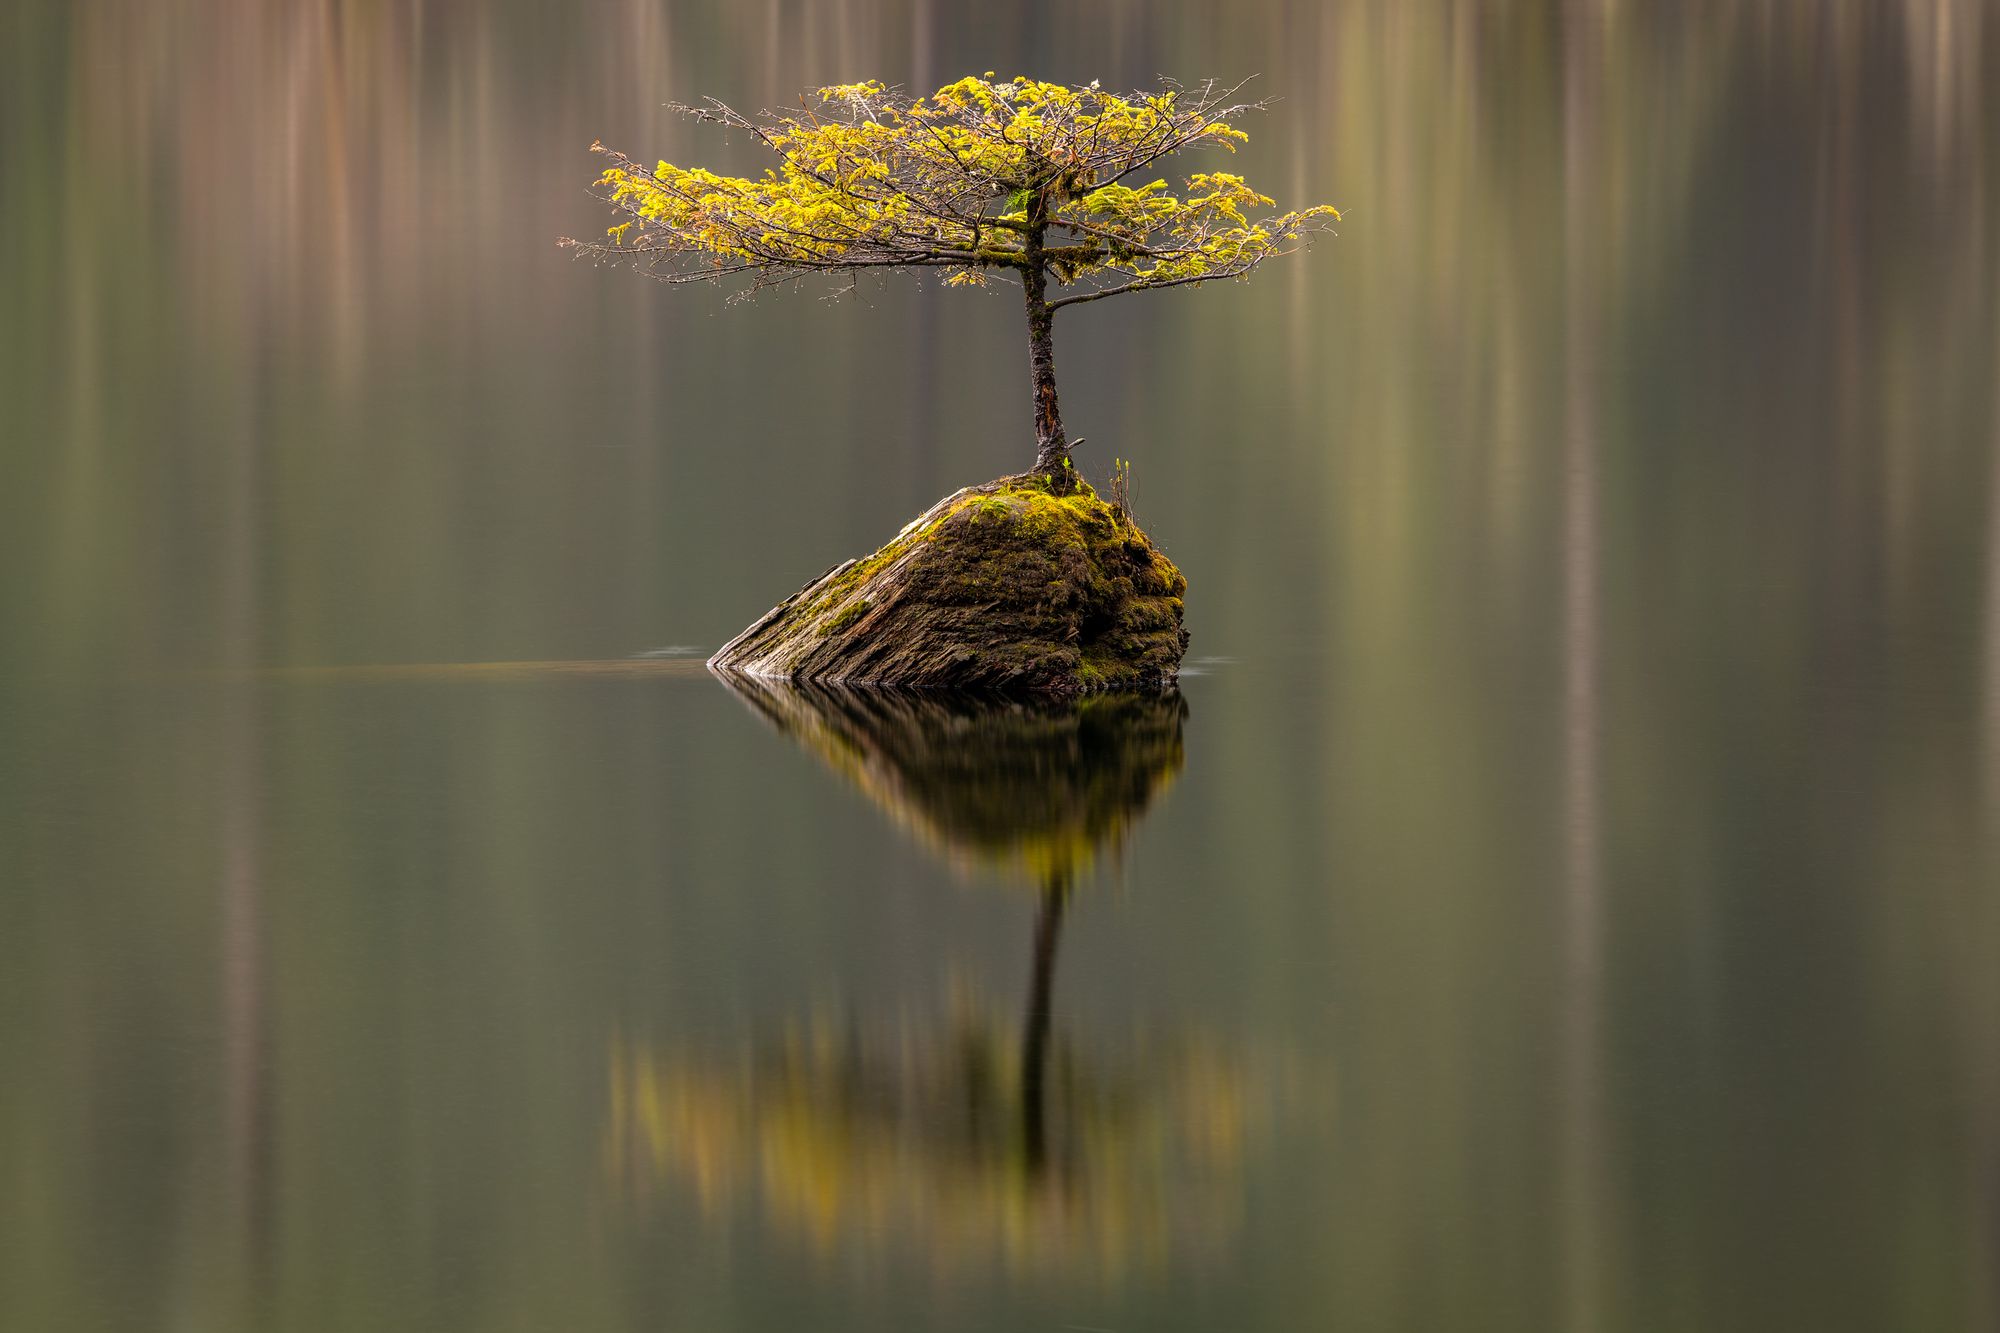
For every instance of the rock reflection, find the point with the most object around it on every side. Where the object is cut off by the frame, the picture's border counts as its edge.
(1037, 787)
(953, 1132)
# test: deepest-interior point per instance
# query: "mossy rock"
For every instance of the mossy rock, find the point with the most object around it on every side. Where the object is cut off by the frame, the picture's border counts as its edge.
(1009, 586)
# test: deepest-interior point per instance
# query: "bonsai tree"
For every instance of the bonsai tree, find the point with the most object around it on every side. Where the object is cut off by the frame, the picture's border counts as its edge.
(1046, 181)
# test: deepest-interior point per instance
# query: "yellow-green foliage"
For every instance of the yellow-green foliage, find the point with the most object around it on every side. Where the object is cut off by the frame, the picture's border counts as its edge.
(980, 175)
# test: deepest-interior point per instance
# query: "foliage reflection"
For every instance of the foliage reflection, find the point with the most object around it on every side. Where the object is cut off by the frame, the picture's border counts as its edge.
(962, 1132)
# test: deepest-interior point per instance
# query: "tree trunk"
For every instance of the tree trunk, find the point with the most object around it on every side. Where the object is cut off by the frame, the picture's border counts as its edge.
(1051, 445)
(999, 586)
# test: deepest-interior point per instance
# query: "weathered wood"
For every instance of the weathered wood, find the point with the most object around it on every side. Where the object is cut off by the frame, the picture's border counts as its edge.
(1004, 586)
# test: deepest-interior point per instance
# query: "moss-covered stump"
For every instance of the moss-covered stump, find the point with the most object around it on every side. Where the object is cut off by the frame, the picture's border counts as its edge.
(1004, 586)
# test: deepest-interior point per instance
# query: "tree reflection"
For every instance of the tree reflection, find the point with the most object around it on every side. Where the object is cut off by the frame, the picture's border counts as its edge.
(919, 1132)
(957, 1133)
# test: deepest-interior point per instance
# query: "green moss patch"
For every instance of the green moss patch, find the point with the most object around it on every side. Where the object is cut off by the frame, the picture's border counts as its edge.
(1006, 584)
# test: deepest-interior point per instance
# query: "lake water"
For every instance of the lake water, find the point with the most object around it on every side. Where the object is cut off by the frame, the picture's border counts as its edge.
(1565, 893)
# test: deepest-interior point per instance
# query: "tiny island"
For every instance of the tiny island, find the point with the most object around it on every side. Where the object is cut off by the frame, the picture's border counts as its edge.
(1034, 581)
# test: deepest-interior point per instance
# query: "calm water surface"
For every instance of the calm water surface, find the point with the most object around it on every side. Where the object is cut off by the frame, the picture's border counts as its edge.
(1562, 896)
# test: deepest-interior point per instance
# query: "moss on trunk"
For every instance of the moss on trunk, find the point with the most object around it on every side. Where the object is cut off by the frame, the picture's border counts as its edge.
(1009, 585)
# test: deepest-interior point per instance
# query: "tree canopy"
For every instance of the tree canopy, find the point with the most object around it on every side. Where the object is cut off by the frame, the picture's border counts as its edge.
(1046, 180)
(961, 181)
